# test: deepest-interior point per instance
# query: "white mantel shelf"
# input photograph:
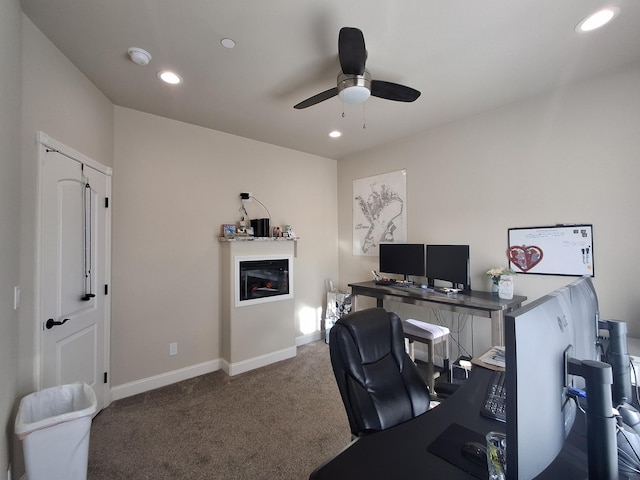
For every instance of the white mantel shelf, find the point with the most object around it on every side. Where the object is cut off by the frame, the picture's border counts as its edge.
(257, 239)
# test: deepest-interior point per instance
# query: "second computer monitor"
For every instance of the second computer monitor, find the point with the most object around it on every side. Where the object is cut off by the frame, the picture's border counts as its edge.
(449, 263)
(405, 259)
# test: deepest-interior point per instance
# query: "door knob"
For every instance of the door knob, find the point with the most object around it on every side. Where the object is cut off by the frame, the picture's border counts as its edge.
(52, 323)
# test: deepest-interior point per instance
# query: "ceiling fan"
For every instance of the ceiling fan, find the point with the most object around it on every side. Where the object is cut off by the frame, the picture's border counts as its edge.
(354, 82)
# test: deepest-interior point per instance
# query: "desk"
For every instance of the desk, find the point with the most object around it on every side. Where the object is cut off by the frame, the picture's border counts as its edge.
(481, 304)
(401, 451)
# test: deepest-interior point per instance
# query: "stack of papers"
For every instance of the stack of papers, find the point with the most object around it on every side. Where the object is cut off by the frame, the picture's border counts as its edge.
(495, 356)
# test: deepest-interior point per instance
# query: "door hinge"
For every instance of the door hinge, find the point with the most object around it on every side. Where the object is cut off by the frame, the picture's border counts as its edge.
(106, 289)
(106, 202)
(105, 377)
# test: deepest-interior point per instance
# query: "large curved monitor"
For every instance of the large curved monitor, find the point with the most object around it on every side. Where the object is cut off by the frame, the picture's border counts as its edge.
(538, 339)
(539, 412)
(584, 307)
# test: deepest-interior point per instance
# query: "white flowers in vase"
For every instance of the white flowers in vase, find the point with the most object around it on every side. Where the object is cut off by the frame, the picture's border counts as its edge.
(495, 273)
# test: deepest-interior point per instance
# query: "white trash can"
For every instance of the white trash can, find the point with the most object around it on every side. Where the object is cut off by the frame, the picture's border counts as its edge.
(54, 426)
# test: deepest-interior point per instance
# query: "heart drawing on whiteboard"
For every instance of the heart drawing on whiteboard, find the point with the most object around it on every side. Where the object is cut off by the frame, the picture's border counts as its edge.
(525, 257)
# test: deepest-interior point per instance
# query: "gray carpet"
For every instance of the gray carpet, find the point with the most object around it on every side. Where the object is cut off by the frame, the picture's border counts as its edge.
(276, 422)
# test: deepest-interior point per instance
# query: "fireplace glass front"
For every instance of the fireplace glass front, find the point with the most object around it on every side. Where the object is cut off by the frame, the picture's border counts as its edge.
(264, 278)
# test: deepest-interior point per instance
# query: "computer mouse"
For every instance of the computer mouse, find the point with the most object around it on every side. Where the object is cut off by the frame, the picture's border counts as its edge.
(475, 452)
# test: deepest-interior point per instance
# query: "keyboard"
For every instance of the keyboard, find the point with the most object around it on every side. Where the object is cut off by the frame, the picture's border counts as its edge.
(495, 399)
(394, 283)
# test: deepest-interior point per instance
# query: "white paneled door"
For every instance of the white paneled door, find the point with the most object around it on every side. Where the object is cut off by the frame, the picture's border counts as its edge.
(74, 272)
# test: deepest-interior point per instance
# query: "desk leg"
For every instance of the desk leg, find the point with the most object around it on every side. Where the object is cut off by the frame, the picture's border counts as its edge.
(354, 302)
(497, 328)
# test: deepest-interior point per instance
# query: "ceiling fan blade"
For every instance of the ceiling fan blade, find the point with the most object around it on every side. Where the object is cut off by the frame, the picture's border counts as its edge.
(351, 50)
(393, 91)
(320, 97)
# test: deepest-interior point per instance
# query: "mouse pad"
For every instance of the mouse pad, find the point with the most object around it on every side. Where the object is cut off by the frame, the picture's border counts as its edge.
(449, 445)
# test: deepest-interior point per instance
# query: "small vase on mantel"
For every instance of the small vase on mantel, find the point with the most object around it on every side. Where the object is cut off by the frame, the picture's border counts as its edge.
(495, 285)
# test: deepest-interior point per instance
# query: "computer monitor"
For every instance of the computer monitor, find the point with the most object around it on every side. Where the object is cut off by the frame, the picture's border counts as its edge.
(541, 338)
(405, 259)
(449, 263)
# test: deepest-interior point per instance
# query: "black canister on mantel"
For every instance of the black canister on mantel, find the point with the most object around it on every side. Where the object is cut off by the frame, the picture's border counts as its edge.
(260, 227)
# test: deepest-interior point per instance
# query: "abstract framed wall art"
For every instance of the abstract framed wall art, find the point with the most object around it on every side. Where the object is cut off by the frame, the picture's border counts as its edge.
(379, 211)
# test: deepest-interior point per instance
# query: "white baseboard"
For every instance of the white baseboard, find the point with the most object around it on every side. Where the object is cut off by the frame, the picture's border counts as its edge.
(164, 379)
(309, 338)
(237, 368)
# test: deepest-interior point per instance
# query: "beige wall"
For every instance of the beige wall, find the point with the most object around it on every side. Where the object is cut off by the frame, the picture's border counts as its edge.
(10, 95)
(174, 184)
(569, 156)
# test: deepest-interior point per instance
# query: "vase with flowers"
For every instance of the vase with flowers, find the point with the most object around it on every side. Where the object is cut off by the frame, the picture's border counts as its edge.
(494, 274)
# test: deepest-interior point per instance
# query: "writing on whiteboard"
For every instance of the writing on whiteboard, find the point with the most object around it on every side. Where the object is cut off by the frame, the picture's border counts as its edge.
(557, 250)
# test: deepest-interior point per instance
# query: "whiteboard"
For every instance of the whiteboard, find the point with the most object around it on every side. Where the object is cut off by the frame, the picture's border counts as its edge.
(556, 250)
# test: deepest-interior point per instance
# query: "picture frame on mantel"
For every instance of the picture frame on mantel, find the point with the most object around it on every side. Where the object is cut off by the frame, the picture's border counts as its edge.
(228, 230)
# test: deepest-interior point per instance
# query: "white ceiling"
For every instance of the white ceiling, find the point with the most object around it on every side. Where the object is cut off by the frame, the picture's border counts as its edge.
(465, 56)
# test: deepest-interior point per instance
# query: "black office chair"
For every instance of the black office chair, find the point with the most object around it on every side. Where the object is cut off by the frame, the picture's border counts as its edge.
(378, 382)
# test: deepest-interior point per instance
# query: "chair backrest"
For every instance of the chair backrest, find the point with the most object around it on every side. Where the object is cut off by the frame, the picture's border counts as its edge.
(379, 384)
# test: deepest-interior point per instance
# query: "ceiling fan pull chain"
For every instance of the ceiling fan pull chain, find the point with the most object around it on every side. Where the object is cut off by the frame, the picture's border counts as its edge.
(364, 116)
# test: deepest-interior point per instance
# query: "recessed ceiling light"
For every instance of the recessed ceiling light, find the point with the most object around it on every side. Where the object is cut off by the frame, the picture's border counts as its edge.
(335, 134)
(597, 20)
(170, 77)
(227, 43)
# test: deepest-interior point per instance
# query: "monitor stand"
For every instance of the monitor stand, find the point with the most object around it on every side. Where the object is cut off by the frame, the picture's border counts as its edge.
(618, 357)
(602, 445)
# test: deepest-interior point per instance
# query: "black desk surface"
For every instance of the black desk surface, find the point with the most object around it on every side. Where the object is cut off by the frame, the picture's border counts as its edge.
(401, 452)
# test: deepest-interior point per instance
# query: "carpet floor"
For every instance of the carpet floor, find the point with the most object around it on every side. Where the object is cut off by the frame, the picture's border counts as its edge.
(278, 422)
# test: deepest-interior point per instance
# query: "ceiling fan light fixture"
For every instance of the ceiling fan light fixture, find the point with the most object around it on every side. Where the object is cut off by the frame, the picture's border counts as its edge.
(354, 88)
(354, 94)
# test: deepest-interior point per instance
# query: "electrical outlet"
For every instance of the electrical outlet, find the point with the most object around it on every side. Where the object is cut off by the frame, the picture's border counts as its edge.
(173, 349)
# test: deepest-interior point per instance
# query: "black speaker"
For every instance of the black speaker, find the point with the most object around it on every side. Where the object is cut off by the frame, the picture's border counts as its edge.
(260, 227)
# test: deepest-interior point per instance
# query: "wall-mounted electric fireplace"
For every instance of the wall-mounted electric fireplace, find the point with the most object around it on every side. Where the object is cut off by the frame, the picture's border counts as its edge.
(263, 279)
